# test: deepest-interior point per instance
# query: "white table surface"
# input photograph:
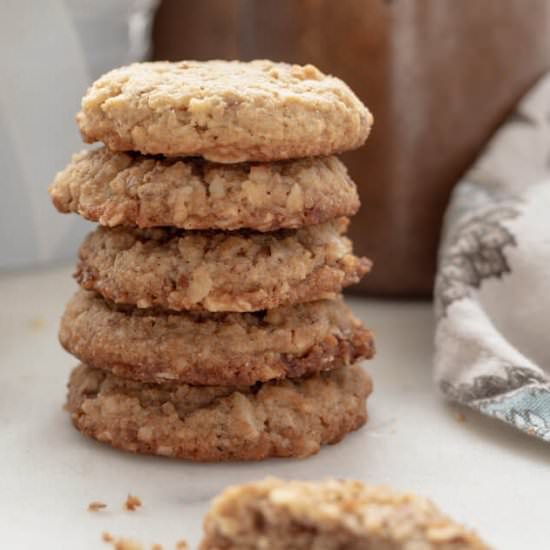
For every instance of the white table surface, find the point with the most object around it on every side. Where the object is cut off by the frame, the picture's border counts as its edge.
(479, 471)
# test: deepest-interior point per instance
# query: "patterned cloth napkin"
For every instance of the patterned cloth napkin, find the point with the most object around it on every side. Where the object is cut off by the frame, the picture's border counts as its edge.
(492, 294)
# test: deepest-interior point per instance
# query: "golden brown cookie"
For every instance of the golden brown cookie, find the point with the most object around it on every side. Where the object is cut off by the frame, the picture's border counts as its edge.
(224, 111)
(290, 418)
(329, 515)
(213, 348)
(121, 189)
(219, 271)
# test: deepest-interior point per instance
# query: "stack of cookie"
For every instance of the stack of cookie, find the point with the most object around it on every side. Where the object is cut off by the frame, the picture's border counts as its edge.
(209, 323)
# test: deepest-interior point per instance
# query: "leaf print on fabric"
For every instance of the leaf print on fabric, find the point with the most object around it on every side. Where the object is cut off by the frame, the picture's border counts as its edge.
(490, 386)
(520, 397)
(528, 409)
(476, 252)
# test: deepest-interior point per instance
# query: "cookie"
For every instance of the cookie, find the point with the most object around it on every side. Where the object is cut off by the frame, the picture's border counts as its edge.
(213, 348)
(121, 189)
(329, 515)
(223, 111)
(290, 418)
(219, 271)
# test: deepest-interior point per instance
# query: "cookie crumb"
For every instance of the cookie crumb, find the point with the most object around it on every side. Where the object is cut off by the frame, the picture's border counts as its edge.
(156, 547)
(132, 503)
(127, 544)
(531, 431)
(96, 506)
(182, 545)
(123, 543)
(459, 417)
(37, 323)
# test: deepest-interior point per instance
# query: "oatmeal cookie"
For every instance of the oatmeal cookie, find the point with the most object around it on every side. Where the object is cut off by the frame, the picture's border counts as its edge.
(329, 515)
(206, 348)
(219, 271)
(224, 111)
(289, 418)
(121, 189)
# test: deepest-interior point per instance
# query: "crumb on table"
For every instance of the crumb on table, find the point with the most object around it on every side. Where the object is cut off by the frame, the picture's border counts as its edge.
(96, 506)
(123, 543)
(132, 503)
(37, 323)
(127, 544)
(459, 417)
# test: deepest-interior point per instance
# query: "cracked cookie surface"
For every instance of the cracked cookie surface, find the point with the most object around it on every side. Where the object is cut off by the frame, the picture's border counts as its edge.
(289, 418)
(224, 111)
(213, 348)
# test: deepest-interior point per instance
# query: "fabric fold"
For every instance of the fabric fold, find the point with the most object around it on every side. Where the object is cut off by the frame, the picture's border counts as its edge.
(492, 292)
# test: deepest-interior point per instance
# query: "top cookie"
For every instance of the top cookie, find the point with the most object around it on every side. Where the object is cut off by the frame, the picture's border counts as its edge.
(224, 111)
